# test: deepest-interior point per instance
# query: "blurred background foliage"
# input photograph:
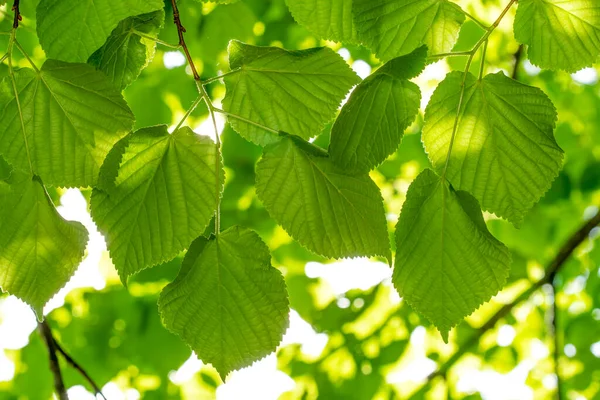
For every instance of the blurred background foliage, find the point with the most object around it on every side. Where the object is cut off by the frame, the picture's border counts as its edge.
(351, 336)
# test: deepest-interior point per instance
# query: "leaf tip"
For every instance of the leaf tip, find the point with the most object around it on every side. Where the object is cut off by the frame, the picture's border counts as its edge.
(444, 333)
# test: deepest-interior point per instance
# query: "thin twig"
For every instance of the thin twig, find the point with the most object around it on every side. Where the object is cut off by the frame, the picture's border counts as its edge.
(59, 385)
(78, 367)
(219, 77)
(559, 260)
(240, 118)
(180, 31)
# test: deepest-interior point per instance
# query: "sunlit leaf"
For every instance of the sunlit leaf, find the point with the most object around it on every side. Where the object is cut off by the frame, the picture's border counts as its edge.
(393, 28)
(165, 194)
(372, 122)
(228, 303)
(39, 250)
(84, 24)
(126, 53)
(504, 152)
(447, 263)
(293, 91)
(66, 120)
(330, 20)
(330, 211)
(560, 34)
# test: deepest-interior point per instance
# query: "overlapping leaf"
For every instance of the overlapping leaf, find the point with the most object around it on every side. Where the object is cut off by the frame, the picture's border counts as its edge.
(39, 250)
(372, 122)
(393, 28)
(504, 152)
(447, 263)
(65, 120)
(126, 53)
(332, 212)
(164, 195)
(71, 30)
(560, 34)
(228, 303)
(293, 91)
(330, 20)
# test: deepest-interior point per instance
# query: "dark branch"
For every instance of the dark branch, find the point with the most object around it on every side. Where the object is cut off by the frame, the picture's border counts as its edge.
(559, 260)
(17, 11)
(180, 31)
(557, 347)
(518, 56)
(79, 368)
(59, 385)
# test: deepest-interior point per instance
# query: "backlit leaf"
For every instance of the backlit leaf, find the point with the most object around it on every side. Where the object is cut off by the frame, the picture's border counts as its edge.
(447, 263)
(504, 152)
(293, 91)
(228, 303)
(164, 195)
(69, 118)
(393, 28)
(330, 211)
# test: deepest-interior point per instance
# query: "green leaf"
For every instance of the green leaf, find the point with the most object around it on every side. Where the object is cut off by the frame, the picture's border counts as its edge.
(70, 116)
(372, 122)
(560, 34)
(164, 195)
(331, 20)
(39, 250)
(293, 91)
(219, 1)
(125, 53)
(447, 263)
(71, 30)
(504, 152)
(330, 211)
(394, 28)
(228, 303)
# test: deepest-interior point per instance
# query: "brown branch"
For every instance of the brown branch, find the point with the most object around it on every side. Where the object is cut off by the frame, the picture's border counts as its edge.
(17, 11)
(559, 260)
(180, 31)
(59, 385)
(79, 368)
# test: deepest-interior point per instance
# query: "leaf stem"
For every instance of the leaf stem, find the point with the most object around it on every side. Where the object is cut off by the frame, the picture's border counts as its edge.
(451, 54)
(11, 73)
(219, 77)
(26, 56)
(188, 112)
(211, 111)
(482, 67)
(240, 118)
(477, 21)
(154, 39)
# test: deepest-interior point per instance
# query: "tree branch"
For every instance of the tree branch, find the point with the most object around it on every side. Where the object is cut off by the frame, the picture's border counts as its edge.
(59, 385)
(180, 31)
(557, 347)
(78, 367)
(17, 11)
(518, 56)
(559, 260)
